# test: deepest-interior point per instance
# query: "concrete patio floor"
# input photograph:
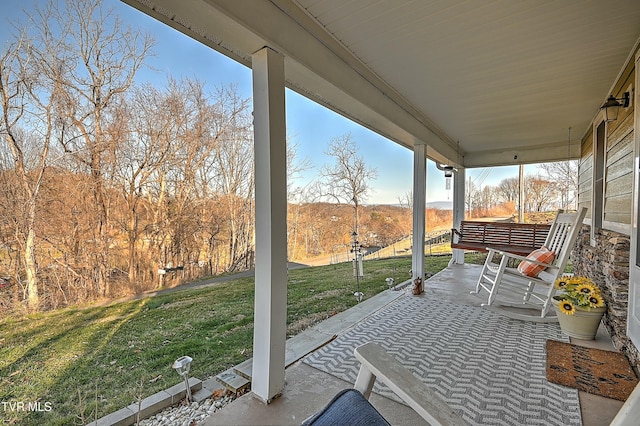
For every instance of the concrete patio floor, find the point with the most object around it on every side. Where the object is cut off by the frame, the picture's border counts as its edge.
(307, 389)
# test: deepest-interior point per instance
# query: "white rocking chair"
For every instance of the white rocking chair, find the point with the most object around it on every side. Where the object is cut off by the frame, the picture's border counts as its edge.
(515, 289)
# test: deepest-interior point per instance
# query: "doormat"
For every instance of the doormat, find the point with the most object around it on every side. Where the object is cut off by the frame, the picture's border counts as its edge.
(595, 371)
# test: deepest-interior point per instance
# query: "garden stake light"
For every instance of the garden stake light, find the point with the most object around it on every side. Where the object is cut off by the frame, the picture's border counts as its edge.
(389, 282)
(182, 365)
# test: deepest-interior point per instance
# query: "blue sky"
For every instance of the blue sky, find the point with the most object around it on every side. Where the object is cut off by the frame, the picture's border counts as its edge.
(310, 125)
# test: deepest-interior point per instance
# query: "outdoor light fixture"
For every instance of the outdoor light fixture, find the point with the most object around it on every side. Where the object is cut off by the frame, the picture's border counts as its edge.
(448, 171)
(182, 365)
(448, 174)
(612, 106)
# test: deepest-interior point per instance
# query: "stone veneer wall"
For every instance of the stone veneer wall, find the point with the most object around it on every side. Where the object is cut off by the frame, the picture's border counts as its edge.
(607, 264)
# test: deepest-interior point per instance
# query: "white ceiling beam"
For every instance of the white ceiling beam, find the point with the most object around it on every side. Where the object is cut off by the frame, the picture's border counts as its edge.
(525, 155)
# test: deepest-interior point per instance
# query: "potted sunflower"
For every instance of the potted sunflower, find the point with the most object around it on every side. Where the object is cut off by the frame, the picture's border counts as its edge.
(580, 306)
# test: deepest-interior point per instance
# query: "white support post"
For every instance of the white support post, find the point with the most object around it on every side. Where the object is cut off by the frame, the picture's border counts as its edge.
(458, 210)
(270, 317)
(419, 206)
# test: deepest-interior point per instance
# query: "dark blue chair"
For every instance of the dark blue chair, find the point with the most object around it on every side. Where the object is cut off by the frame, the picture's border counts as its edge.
(349, 407)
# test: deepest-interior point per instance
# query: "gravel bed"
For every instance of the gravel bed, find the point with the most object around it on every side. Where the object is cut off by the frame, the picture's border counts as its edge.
(192, 414)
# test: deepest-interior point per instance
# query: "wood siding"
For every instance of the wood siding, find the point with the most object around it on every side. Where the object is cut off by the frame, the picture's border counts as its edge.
(618, 164)
(618, 192)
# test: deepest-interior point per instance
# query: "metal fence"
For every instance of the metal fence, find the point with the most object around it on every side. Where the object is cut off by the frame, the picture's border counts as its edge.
(436, 242)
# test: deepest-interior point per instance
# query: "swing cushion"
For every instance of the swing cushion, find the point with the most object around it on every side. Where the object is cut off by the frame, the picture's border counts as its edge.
(531, 269)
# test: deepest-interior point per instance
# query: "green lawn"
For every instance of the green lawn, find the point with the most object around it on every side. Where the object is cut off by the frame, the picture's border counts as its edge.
(77, 361)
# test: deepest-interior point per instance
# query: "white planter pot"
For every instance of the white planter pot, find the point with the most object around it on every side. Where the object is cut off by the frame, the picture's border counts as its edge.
(582, 324)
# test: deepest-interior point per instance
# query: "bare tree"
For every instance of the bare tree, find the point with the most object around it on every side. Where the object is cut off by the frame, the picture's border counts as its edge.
(295, 167)
(347, 179)
(143, 121)
(86, 52)
(233, 155)
(406, 201)
(540, 194)
(174, 131)
(27, 100)
(295, 194)
(200, 193)
(508, 190)
(565, 176)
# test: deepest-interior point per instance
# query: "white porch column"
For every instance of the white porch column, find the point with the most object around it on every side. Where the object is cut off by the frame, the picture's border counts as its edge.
(270, 317)
(419, 206)
(458, 209)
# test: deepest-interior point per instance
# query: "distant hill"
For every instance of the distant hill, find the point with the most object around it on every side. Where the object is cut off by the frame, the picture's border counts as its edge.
(440, 205)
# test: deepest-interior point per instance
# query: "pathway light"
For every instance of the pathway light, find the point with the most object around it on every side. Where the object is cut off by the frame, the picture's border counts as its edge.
(182, 365)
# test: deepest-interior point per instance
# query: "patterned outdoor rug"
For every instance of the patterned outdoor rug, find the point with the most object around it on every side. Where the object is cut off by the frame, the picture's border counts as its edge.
(490, 369)
(599, 372)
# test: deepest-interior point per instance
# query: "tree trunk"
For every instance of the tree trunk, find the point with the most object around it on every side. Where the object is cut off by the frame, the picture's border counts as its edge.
(31, 266)
(133, 239)
(102, 255)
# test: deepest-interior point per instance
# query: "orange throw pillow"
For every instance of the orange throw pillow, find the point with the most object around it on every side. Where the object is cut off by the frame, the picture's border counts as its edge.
(532, 269)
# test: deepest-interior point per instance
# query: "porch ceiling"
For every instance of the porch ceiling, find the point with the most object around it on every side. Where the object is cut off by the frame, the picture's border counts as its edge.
(479, 81)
